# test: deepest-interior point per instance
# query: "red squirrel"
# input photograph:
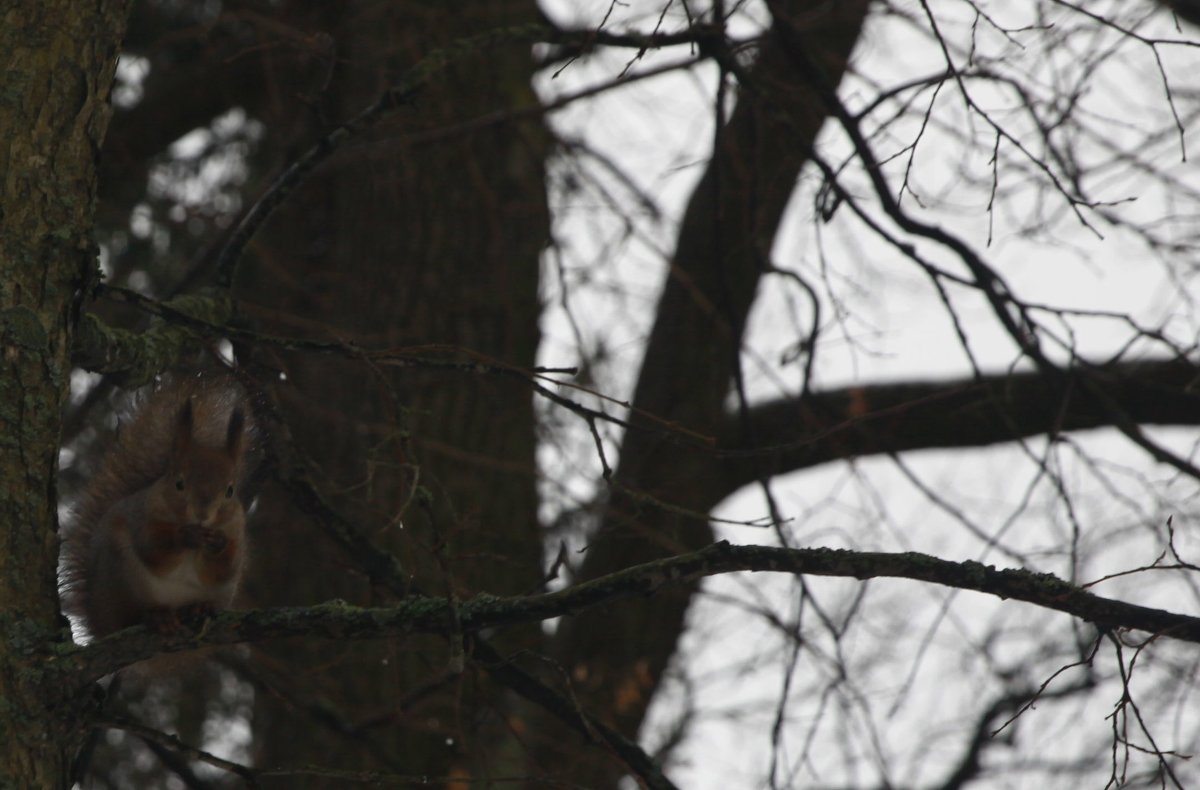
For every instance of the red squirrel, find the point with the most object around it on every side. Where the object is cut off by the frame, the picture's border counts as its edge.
(158, 536)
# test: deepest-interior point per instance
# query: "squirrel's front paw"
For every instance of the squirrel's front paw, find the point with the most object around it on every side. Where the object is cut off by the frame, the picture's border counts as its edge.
(212, 541)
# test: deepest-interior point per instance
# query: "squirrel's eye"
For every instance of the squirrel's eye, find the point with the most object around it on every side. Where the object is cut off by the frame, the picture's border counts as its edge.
(229, 492)
(179, 484)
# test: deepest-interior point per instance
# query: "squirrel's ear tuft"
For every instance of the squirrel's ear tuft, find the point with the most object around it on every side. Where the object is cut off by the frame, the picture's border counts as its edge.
(233, 437)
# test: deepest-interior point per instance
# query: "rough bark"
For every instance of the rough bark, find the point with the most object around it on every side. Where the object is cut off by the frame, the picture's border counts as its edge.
(58, 59)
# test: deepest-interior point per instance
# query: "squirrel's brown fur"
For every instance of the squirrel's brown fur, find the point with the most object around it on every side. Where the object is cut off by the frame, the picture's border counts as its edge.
(159, 531)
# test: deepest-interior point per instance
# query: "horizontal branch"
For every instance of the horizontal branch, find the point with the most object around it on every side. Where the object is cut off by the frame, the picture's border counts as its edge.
(890, 418)
(419, 614)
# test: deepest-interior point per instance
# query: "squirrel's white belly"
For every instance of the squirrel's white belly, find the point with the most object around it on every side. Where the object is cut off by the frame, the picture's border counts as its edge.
(181, 586)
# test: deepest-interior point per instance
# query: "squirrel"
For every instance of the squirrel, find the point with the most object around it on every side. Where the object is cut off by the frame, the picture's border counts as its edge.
(158, 536)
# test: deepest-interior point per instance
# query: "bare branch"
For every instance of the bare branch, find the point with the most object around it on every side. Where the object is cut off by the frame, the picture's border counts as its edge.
(422, 614)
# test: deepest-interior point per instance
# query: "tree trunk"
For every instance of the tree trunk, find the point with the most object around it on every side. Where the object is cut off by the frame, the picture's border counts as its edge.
(617, 656)
(58, 58)
(393, 245)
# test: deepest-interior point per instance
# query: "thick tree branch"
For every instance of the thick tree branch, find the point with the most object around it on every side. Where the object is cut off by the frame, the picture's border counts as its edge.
(888, 418)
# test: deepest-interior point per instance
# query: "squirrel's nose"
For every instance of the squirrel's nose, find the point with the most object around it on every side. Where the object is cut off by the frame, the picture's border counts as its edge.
(202, 517)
